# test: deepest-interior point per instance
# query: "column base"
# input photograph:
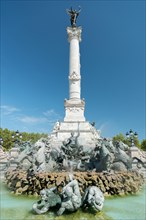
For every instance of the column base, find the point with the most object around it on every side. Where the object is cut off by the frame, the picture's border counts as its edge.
(74, 110)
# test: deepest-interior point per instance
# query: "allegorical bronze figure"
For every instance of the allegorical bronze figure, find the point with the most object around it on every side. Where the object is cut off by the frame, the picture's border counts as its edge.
(73, 15)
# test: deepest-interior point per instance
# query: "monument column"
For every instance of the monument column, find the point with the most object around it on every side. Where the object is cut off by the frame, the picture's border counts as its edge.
(74, 106)
(74, 37)
(74, 121)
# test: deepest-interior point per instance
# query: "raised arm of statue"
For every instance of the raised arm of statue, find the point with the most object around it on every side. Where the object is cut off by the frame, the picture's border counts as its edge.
(68, 12)
(78, 134)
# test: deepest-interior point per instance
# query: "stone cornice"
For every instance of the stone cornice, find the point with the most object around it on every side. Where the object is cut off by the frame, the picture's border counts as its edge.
(70, 104)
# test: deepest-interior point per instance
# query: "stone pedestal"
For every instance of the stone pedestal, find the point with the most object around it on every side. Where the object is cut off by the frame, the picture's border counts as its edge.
(88, 134)
(138, 156)
(14, 152)
(4, 158)
(74, 111)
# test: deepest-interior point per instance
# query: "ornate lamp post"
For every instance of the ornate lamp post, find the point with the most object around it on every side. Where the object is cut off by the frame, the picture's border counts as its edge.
(16, 138)
(14, 152)
(130, 136)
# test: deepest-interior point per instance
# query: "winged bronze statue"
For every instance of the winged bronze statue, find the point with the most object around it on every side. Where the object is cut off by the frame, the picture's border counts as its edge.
(73, 15)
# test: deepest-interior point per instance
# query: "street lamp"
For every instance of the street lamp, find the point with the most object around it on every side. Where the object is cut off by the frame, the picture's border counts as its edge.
(1, 142)
(17, 137)
(14, 152)
(131, 135)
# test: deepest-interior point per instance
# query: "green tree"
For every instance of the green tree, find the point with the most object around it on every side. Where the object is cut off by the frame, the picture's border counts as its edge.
(137, 142)
(143, 145)
(119, 137)
(7, 139)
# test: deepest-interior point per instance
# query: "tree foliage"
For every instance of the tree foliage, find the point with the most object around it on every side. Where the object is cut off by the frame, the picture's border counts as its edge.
(8, 142)
(143, 145)
(119, 137)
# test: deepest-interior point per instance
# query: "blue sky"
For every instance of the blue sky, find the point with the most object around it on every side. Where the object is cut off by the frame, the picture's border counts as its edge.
(35, 64)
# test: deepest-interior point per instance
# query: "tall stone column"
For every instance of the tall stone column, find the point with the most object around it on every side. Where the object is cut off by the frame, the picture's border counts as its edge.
(74, 37)
(74, 120)
(74, 107)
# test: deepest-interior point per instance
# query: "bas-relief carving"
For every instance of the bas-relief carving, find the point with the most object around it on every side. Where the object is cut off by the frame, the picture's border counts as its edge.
(74, 76)
(74, 109)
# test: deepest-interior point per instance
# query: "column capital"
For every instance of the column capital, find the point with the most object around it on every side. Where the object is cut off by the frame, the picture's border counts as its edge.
(74, 33)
